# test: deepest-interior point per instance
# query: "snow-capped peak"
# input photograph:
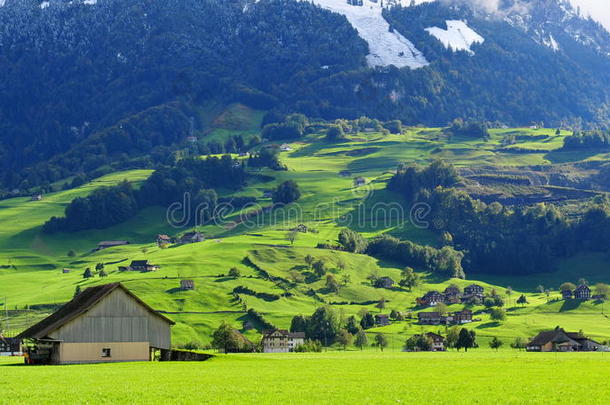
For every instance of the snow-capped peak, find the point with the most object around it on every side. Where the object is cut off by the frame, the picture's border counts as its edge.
(386, 46)
(458, 36)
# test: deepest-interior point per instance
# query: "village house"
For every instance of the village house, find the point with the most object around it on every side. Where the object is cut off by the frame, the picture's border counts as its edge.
(558, 340)
(384, 282)
(36, 197)
(65, 270)
(163, 240)
(187, 285)
(192, 237)
(140, 265)
(461, 317)
(359, 182)
(453, 294)
(473, 291)
(111, 243)
(429, 318)
(430, 299)
(105, 323)
(438, 342)
(285, 147)
(382, 320)
(282, 341)
(582, 292)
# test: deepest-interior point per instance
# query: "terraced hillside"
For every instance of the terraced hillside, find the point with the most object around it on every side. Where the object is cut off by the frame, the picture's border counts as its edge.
(274, 277)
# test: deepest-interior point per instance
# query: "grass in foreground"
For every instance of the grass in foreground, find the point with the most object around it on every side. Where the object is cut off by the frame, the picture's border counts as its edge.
(476, 377)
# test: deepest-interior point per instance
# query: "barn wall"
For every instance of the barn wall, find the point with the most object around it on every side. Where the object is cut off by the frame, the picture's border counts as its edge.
(92, 352)
(116, 318)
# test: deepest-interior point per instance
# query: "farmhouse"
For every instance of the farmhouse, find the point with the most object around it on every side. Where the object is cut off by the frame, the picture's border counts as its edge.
(438, 342)
(192, 237)
(430, 299)
(429, 318)
(452, 294)
(558, 340)
(163, 239)
(36, 197)
(460, 317)
(105, 323)
(359, 182)
(382, 320)
(141, 265)
(282, 341)
(187, 285)
(65, 270)
(384, 282)
(582, 292)
(111, 243)
(473, 291)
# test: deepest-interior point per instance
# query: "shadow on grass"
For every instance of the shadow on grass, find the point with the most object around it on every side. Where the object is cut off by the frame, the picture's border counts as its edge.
(487, 325)
(569, 305)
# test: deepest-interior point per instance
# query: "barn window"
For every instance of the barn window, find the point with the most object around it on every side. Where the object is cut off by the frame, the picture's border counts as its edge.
(106, 353)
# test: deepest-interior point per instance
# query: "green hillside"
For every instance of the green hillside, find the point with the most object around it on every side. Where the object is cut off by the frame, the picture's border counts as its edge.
(33, 283)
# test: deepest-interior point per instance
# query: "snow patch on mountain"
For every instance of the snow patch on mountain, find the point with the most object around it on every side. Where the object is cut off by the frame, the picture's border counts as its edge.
(2, 3)
(386, 47)
(458, 36)
(551, 43)
(44, 5)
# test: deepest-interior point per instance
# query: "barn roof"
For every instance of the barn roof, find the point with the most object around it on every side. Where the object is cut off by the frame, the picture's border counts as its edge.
(82, 303)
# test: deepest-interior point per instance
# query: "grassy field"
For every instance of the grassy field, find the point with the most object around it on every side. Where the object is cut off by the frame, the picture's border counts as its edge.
(476, 377)
(31, 262)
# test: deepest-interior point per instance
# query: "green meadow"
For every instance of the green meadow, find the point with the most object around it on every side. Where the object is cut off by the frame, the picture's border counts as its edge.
(32, 283)
(369, 377)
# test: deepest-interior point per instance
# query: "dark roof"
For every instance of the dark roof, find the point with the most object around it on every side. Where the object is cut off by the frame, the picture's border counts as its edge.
(139, 263)
(82, 303)
(428, 315)
(557, 335)
(297, 335)
(434, 336)
(430, 294)
(284, 332)
(582, 287)
(452, 290)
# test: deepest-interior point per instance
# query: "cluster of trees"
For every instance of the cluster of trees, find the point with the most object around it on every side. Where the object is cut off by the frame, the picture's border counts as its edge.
(291, 127)
(495, 238)
(113, 205)
(472, 129)
(411, 180)
(457, 338)
(594, 140)
(266, 157)
(445, 261)
(325, 326)
(286, 192)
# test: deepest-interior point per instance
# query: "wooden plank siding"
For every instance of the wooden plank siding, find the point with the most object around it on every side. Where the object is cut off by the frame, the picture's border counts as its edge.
(116, 318)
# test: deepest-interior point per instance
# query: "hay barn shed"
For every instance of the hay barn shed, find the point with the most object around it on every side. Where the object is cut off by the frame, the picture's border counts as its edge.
(105, 323)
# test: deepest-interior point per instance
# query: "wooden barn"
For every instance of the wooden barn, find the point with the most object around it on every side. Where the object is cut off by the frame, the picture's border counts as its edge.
(105, 323)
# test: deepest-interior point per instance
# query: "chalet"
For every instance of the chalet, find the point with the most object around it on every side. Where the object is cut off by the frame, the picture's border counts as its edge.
(187, 285)
(473, 291)
(461, 317)
(452, 294)
(282, 341)
(65, 271)
(142, 265)
(429, 318)
(285, 147)
(382, 320)
(438, 342)
(582, 292)
(430, 299)
(558, 340)
(359, 182)
(163, 239)
(384, 282)
(36, 197)
(111, 243)
(566, 294)
(192, 237)
(105, 323)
